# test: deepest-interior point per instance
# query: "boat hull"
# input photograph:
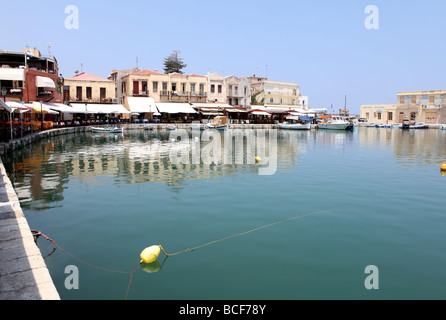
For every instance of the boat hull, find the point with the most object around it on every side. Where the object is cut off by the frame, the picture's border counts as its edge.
(107, 130)
(335, 126)
(285, 126)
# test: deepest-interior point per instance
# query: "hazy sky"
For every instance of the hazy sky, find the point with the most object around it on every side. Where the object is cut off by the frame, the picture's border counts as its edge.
(323, 46)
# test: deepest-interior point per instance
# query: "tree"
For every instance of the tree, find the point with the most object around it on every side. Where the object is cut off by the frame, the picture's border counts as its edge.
(174, 63)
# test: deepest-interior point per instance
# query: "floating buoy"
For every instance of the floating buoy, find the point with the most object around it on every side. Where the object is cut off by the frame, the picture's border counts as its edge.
(149, 255)
(258, 159)
(443, 167)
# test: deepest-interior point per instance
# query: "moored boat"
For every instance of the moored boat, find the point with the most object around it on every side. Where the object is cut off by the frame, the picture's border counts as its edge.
(336, 123)
(171, 127)
(295, 126)
(219, 123)
(107, 130)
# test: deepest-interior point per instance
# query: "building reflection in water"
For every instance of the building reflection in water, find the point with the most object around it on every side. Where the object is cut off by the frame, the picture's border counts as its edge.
(41, 171)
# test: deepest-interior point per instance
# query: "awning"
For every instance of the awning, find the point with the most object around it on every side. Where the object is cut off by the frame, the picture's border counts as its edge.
(96, 108)
(12, 74)
(44, 82)
(304, 118)
(40, 108)
(142, 105)
(261, 113)
(236, 110)
(175, 108)
(211, 105)
(59, 107)
(12, 106)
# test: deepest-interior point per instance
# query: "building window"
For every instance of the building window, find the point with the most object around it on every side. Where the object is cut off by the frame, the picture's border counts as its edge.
(79, 93)
(294, 92)
(155, 86)
(212, 88)
(123, 89)
(144, 87)
(88, 92)
(164, 86)
(390, 116)
(183, 87)
(413, 115)
(103, 93)
(379, 115)
(271, 100)
(174, 86)
(367, 115)
(201, 88)
(135, 87)
(192, 87)
(219, 88)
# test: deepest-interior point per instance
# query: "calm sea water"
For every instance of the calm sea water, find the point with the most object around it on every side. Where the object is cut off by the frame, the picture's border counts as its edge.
(377, 196)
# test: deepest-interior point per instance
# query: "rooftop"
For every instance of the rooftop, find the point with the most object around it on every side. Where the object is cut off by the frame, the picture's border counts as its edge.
(84, 76)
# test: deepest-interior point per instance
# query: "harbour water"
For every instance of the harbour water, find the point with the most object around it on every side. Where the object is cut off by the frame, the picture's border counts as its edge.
(376, 197)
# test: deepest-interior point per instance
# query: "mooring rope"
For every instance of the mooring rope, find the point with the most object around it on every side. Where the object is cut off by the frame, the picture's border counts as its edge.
(241, 234)
(37, 234)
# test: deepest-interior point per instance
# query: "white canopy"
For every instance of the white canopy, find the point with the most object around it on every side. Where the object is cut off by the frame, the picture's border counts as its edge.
(92, 108)
(12, 106)
(44, 82)
(37, 106)
(175, 108)
(142, 105)
(12, 74)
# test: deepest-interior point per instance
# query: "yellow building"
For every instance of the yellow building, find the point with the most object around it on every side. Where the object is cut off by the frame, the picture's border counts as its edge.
(417, 106)
(86, 87)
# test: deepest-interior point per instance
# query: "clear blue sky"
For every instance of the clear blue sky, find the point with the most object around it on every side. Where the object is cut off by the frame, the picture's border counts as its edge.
(321, 45)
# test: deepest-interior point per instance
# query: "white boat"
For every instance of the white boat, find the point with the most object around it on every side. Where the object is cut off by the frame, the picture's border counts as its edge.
(219, 123)
(295, 126)
(443, 127)
(370, 125)
(418, 126)
(336, 123)
(380, 125)
(149, 128)
(107, 129)
(171, 127)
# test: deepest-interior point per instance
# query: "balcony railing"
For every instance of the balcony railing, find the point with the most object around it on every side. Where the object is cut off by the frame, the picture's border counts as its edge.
(14, 91)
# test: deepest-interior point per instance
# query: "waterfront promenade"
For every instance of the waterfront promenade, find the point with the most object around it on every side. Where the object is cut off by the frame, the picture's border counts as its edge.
(23, 272)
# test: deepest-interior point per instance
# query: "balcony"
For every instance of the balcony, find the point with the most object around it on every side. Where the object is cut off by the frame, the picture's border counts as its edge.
(14, 91)
(140, 93)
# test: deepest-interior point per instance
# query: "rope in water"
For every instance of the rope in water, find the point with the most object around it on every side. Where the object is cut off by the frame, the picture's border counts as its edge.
(240, 234)
(38, 233)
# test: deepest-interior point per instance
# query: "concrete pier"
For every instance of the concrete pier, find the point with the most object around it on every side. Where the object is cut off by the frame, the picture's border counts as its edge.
(23, 272)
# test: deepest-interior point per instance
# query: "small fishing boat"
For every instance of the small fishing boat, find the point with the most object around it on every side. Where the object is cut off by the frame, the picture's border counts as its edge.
(295, 123)
(171, 127)
(295, 126)
(370, 125)
(107, 130)
(420, 125)
(443, 127)
(336, 123)
(219, 123)
(379, 125)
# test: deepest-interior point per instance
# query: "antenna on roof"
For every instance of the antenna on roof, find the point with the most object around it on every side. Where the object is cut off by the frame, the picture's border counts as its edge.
(137, 64)
(49, 49)
(82, 67)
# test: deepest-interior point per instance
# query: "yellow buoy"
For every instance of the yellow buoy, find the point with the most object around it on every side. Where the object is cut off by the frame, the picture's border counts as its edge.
(443, 167)
(149, 255)
(258, 159)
